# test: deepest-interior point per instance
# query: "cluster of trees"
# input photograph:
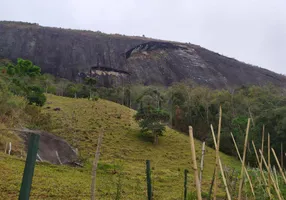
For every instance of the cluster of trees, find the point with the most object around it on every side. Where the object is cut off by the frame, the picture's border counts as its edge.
(190, 104)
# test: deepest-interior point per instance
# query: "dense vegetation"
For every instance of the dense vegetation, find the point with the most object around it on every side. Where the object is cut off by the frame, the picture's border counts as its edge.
(190, 104)
(185, 103)
(121, 171)
(22, 99)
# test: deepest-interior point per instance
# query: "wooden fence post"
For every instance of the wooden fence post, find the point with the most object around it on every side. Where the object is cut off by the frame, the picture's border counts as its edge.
(281, 155)
(217, 152)
(29, 167)
(202, 162)
(243, 161)
(94, 166)
(148, 178)
(10, 148)
(195, 167)
(6, 148)
(185, 184)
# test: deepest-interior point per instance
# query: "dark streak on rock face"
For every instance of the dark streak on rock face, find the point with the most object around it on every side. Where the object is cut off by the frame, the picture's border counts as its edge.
(149, 46)
(68, 53)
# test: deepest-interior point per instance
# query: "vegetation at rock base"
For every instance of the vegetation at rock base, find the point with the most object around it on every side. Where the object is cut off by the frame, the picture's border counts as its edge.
(186, 103)
(123, 151)
(122, 163)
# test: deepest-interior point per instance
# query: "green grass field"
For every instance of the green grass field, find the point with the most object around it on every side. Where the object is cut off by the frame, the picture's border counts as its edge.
(121, 170)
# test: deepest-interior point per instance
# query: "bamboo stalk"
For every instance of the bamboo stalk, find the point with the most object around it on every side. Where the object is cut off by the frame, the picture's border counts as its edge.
(243, 160)
(217, 152)
(198, 185)
(261, 171)
(202, 162)
(185, 184)
(269, 164)
(246, 172)
(10, 148)
(276, 177)
(281, 154)
(220, 166)
(211, 188)
(6, 148)
(262, 142)
(271, 178)
(94, 167)
(278, 164)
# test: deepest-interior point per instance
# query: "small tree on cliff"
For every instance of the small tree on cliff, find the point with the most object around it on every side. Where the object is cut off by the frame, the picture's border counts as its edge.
(152, 121)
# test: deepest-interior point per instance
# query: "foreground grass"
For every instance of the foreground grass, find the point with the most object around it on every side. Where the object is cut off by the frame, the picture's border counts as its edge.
(122, 163)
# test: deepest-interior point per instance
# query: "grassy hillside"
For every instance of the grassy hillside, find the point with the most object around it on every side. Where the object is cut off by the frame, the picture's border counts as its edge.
(122, 162)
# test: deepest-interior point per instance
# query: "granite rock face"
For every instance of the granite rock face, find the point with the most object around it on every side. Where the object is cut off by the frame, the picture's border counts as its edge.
(66, 53)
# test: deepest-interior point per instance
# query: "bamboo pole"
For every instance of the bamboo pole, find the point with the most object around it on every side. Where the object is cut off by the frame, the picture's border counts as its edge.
(94, 167)
(6, 148)
(246, 172)
(185, 184)
(10, 148)
(217, 152)
(243, 160)
(278, 164)
(271, 178)
(202, 162)
(276, 177)
(262, 142)
(148, 179)
(281, 154)
(211, 187)
(269, 164)
(261, 171)
(198, 185)
(220, 166)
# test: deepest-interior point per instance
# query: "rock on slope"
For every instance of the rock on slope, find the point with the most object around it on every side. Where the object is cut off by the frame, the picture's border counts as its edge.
(52, 148)
(66, 52)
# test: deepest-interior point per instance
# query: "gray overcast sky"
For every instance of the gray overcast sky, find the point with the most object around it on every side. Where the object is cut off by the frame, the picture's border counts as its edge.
(253, 31)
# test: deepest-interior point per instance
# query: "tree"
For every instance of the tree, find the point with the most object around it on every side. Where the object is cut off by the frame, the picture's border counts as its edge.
(91, 83)
(36, 95)
(23, 68)
(152, 121)
(73, 89)
(23, 79)
(47, 81)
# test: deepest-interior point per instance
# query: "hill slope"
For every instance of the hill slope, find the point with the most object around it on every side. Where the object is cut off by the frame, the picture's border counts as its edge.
(123, 152)
(65, 53)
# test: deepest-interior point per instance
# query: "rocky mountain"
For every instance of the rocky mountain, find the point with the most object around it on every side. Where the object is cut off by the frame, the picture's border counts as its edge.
(115, 58)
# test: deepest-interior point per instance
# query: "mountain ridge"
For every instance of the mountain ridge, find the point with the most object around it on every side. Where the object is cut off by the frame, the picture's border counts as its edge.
(68, 52)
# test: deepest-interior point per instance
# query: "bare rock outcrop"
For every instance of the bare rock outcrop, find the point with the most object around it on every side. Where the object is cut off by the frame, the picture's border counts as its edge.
(68, 53)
